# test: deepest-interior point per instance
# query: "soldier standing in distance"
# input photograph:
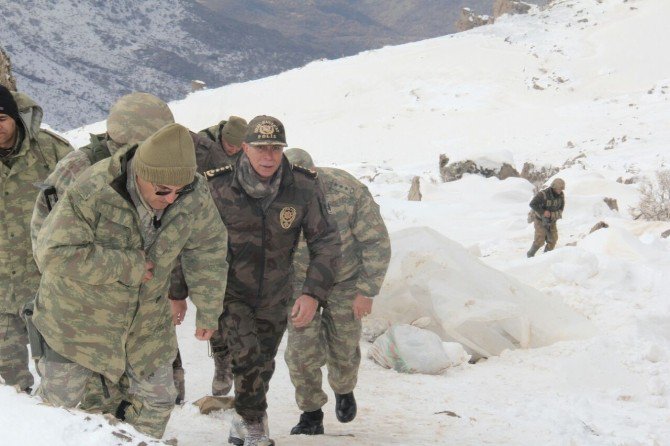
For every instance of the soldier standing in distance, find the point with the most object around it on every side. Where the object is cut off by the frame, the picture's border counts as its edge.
(27, 154)
(546, 209)
(333, 336)
(106, 253)
(266, 203)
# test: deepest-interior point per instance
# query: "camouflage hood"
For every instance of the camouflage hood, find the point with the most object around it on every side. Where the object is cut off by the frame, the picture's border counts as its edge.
(31, 114)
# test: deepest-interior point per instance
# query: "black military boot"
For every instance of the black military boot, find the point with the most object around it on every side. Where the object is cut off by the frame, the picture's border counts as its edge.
(345, 407)
(311, 423)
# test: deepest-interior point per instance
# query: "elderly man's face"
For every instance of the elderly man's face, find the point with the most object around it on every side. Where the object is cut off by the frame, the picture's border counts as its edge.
(7, 131)
(265, 159)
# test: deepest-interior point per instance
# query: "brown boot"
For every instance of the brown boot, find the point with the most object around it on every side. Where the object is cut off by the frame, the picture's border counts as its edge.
(223, 375)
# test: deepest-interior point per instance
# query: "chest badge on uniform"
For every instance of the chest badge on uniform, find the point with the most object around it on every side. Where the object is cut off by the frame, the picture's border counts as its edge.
(287, 217)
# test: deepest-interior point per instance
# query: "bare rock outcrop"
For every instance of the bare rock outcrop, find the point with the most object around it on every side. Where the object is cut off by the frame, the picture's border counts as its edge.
(665, 234)
(538, 175)
(6, 77)
(611, 203)
(415, 190)
(501, 7)
(456, 170)
(599, 225)
(469, 20)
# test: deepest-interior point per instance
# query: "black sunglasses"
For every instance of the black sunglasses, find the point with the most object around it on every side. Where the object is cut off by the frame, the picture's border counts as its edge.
(183, 190)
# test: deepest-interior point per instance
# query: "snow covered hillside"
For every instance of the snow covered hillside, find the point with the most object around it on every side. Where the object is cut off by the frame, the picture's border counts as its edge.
(584, 86)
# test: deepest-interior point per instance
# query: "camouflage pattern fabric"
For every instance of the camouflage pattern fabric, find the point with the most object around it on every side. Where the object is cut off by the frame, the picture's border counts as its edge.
(253, 336)
(136, 116)
(259, 286)
(546, 200)
(209, 152)
(261, 245)
(332, 338)
(93, 308)
(541, 235)
(63, 384)
(13, 352)
(34, 159)
(66, 172)
(151, 397)
(104, 396)
(151, 400)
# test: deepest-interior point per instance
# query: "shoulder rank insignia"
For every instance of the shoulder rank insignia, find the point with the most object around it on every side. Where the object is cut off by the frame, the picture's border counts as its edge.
(305, 170)
(218, 171)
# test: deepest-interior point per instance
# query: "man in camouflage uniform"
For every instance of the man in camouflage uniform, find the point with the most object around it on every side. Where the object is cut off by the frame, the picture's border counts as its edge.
(132, 119)
(546, 208)
(220, 144)
(266, 203)
(215, 146)
(106, 253)
(333, 336)
(28, 155)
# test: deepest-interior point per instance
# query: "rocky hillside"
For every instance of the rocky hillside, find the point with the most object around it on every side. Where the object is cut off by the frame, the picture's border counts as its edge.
(77, 57)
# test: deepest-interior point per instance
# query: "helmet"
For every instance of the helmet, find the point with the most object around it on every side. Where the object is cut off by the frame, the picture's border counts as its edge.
(136, 116)
(300, 158)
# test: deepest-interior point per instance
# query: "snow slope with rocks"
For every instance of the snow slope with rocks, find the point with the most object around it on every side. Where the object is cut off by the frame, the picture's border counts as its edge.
(583, 77)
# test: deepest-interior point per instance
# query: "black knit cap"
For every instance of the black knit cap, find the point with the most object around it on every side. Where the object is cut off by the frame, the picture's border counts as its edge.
(8, 104)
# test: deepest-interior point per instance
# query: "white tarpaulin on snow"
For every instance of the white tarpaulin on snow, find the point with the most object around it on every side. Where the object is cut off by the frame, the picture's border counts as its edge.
(467, 301)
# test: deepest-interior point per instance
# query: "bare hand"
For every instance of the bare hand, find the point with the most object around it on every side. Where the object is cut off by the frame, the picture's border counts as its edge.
(362, 306)
(178, 308)
(148, 273)
(204, 334)
(303, 311)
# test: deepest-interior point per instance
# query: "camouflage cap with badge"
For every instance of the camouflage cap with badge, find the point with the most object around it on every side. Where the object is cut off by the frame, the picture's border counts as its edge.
(265, 130)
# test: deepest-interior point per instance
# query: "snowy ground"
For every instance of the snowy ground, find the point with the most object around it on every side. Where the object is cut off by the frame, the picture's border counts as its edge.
(584, 77)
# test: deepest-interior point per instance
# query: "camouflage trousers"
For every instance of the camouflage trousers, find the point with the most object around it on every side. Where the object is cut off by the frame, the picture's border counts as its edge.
(146, 403)
(14, 351)
(331, 339)
(252, 336)
(541, 235)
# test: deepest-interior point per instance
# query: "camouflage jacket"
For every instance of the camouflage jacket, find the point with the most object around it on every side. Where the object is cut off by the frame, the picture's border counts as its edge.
(548, 200)
(92, 306)
(35, 159)
(66, 172)
(209, 151)
(261, 245)
(366, 248)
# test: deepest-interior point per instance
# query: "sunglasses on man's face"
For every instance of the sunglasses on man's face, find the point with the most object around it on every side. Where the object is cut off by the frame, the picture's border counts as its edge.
(162, 191)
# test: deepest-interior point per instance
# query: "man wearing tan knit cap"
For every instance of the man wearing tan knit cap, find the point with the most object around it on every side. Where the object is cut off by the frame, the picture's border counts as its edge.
(220, 144)
(106, 252)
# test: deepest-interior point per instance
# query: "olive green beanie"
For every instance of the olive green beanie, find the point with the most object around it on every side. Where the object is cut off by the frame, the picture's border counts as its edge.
(234, 130)
(167, 157)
